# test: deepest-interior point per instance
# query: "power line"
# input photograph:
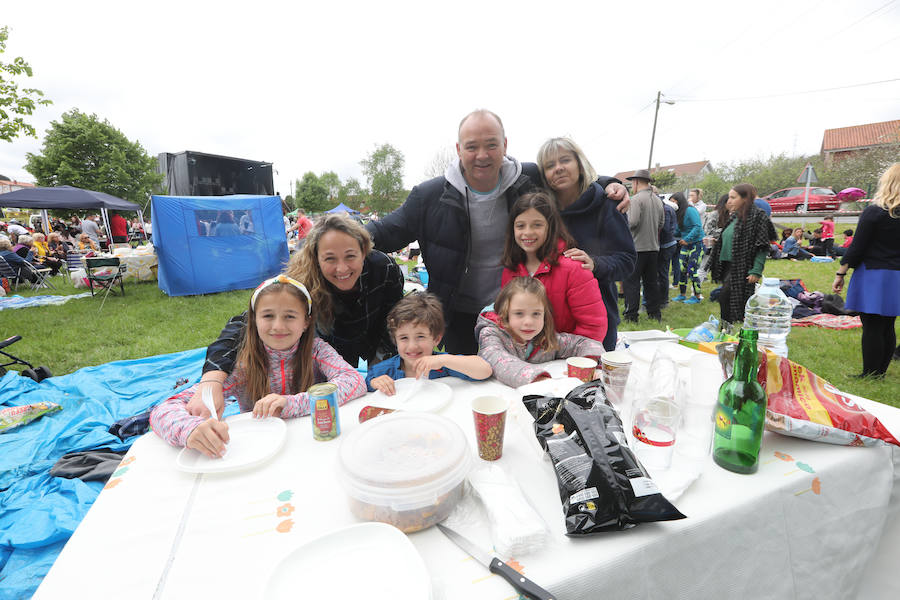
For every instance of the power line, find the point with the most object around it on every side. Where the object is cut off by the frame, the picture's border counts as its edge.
(860, 20)
(831, 89)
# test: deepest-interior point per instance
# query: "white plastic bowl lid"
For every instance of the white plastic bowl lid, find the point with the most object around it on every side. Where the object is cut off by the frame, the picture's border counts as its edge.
(406, 455)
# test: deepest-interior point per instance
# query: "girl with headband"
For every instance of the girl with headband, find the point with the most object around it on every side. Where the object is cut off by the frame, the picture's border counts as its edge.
(353, 288)
(278, 359)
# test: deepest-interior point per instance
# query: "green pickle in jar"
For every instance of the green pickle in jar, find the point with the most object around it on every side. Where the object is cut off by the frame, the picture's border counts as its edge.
(323, 409)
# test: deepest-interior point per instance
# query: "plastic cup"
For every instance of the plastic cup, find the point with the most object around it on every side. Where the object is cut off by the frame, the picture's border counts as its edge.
(489, 413)
(616, 367)
(654, 428)
(695, 436)
(581, 367)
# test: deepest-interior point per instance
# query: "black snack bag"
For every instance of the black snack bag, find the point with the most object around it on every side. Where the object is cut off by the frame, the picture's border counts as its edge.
(602, 485)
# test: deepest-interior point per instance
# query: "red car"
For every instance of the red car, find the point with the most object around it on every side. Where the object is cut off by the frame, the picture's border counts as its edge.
(791, 199)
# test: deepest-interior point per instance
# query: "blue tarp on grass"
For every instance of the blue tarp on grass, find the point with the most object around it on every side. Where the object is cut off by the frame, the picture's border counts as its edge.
(38, 513)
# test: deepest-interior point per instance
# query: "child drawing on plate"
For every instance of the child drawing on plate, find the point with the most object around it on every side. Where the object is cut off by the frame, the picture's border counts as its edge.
(535, 241)
(417, 324)
(278, 359)
(517, 334)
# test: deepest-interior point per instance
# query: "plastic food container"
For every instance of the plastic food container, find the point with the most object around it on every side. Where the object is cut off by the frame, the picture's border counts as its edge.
(406, 469)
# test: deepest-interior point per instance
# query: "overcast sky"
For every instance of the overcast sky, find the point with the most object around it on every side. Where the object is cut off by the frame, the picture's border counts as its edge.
(316, 88)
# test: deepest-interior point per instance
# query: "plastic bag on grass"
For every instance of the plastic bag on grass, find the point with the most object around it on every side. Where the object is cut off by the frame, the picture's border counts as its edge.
(79, 278)
(602, 485)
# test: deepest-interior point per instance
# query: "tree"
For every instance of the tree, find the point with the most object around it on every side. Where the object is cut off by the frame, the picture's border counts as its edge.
(384, 176)
(663, 179)
(352, 194)
(289, 200)
(13, 100)
(442, 159)
(312, 195)
(332, 183)
(84, 152)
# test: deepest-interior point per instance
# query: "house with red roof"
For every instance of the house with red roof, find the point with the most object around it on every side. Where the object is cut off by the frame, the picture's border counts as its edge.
(693, 169)
(843, 142)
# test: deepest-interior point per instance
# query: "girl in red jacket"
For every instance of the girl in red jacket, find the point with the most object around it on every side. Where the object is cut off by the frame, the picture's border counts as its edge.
(535, 240)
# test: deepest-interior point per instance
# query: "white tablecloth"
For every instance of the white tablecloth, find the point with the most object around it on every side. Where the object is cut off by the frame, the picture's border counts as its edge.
(138, 266)
(156, 532)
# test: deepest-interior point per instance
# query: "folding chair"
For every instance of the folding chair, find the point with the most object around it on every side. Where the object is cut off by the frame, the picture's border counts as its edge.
(73, 261)
(105, 272)
(12, 274)
(41, 277)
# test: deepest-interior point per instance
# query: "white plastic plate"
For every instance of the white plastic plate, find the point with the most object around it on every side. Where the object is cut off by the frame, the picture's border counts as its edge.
(375, 561)
(253, 441)
(431, 397)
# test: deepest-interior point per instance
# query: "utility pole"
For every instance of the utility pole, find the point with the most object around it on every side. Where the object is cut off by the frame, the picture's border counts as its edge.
(653, 137)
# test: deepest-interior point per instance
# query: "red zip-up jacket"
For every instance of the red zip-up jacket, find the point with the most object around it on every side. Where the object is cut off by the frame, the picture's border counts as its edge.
(573, 293)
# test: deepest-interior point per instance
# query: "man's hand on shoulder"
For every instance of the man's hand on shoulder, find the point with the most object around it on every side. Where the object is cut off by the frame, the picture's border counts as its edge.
(619, 193)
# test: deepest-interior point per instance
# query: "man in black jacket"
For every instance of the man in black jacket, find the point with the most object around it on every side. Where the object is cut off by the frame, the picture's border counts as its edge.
(460, 221)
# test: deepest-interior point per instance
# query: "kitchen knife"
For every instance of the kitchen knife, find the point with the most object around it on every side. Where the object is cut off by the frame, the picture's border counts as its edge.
(521, 583)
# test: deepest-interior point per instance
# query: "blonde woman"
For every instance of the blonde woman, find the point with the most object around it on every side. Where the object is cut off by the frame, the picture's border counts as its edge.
(874, 254)
(353, 288)
(43, 255)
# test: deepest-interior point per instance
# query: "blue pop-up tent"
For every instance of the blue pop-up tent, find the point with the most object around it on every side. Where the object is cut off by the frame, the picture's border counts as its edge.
(209, 244)
(343, 208)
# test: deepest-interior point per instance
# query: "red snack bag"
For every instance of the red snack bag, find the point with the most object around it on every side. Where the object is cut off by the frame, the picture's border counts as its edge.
(802, 404)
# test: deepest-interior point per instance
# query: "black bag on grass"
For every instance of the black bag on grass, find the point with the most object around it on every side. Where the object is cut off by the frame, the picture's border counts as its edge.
(602, 485)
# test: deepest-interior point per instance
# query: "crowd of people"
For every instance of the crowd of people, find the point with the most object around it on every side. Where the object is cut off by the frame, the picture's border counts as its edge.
(491, 221)
(524, 260)
(25, 251)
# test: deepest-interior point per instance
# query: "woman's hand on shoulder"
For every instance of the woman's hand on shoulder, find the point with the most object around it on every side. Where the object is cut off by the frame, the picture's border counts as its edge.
(209, 437)
(269, 406)
(618, 193)
(581, 256)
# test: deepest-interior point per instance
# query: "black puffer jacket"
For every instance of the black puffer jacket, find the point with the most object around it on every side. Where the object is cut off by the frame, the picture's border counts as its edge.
(436, 214)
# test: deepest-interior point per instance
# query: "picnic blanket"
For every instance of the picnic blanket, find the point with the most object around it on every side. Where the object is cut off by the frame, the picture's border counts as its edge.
(40, 512)
(22, 302)
(828, 321)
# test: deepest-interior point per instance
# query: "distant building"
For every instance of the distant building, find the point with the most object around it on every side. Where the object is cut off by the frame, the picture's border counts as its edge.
(846, 141)
(7, 185)
(692, 169)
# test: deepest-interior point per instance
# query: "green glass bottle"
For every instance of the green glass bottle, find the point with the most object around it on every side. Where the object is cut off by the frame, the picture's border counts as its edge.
(741, 411)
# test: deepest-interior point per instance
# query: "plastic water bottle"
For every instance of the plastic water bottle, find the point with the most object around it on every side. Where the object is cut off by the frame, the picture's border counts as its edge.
(769, 312)
(704, 332)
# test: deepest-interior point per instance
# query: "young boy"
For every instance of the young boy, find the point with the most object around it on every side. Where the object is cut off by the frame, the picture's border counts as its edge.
(417, 324)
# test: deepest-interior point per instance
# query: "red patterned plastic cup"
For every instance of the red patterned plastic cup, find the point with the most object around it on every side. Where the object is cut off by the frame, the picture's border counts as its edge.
(581, 368)
(489, 413)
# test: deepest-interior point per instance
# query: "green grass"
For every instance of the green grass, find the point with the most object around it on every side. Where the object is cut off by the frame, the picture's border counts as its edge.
(146, 322)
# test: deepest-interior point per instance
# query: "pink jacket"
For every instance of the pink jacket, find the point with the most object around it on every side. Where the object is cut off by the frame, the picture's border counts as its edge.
(574, 295)
(516, 364)
(172, 422)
